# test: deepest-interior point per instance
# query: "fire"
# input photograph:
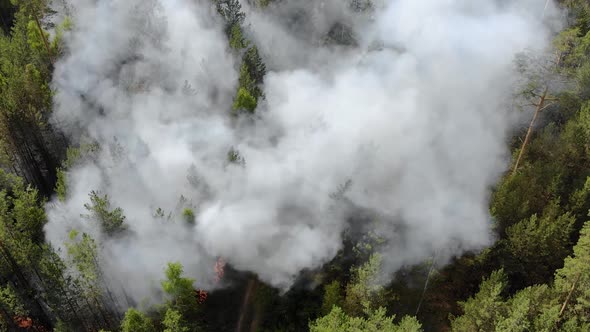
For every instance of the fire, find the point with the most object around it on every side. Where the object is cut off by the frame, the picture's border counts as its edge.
(23, 322)
(219, 269)
(201, 295)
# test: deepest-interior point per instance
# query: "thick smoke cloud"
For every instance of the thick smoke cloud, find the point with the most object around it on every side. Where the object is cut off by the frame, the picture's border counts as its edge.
(414, 112)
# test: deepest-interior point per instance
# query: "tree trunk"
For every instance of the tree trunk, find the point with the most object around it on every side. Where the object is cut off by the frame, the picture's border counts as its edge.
(530, 130)
(244, 310)
(104, 283)
(102, 313)
(59, 281)
(37, 306)
(43, 37)
(8, 319)
(92, 313)
(569, 295)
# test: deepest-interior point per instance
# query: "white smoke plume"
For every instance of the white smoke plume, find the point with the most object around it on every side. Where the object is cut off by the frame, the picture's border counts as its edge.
(415, 114)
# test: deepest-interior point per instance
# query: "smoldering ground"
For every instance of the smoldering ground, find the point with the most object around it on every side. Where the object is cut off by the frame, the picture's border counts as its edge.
(412, 106)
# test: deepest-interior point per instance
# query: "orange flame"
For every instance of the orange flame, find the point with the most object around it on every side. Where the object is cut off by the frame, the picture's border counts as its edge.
(23, 322)
(201, 295)
(219, 269)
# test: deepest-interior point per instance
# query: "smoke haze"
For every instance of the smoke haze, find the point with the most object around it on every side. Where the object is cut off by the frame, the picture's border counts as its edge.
(414, 112)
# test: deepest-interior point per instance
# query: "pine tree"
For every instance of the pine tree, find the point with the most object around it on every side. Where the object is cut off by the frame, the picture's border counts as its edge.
(256, 68)
(332, 297)
(231, 12)
(486, 308)
(539, 245)
(29, 144)
(376, 321)
(364, 290)
(111, 220)
(136, 321)
(37, 9)
(173, 322)
(573, 282)
(181, 295)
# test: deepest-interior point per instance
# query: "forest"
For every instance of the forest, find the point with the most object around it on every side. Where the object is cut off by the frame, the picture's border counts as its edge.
(282, 165)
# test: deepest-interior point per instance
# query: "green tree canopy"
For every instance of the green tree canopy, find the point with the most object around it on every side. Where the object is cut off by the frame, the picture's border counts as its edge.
(376, 321)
